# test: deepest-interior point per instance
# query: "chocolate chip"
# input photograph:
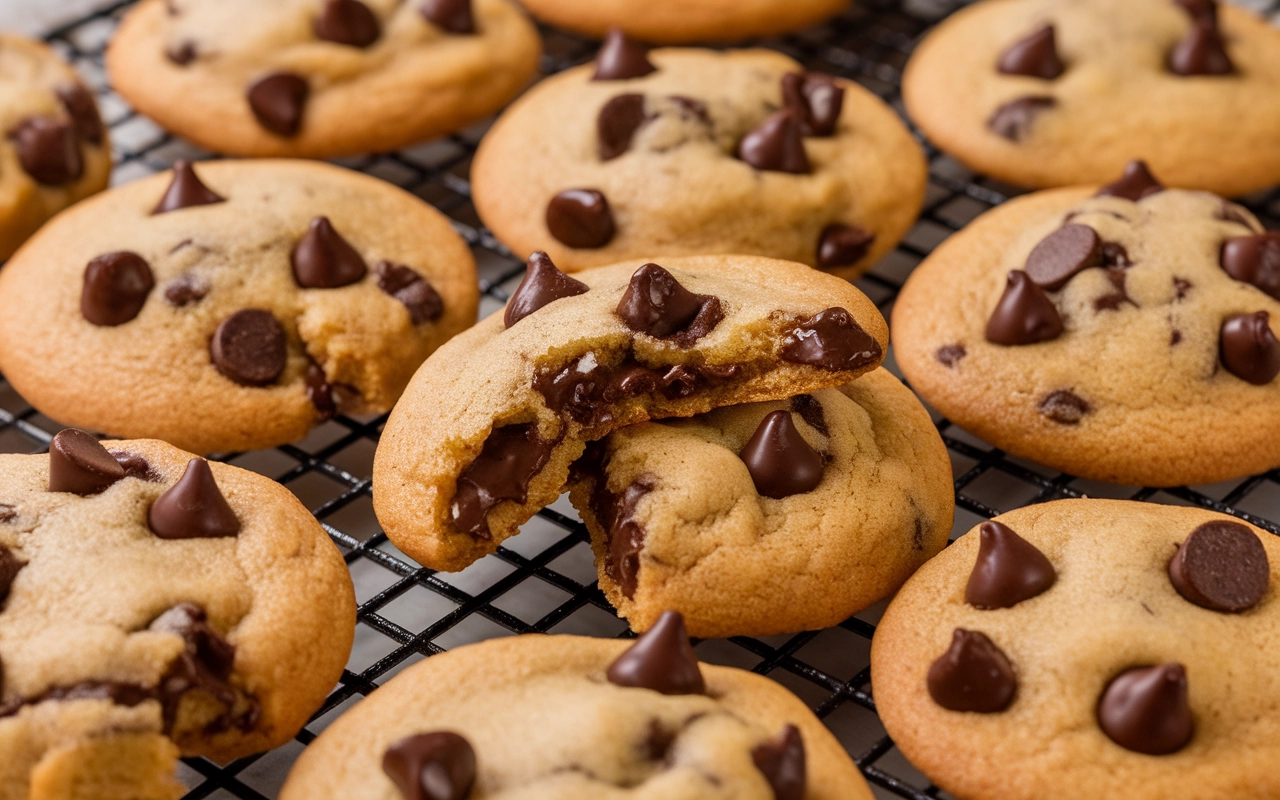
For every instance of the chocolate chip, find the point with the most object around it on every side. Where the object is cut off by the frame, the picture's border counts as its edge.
(973, 675)
(1181, 286)
(193, 508)
(617, 122)
(48, 149)
(1222, 566)
(278, 102)
(347, 22)
(1230, 212)
(186, 190)
(1024, 315)
(1136, 183)
(1175, 338)
(116, 286)
(656, 304)
(1249, 349)
(621, 58)
(1145, 710)
(1008, 570)
(454, 16)
(1255, 260)
(185, 290)
(249, 347)
(508, 461)
(661, 660)
(616, 514)
(1113, 301)
(1013, 120)
(414, 291)
(319, 392)
(949, 355)
(1202, 51)
(780, 461)
(135, 465)
(7, 513)
(580, 218)
(10, 566)
(79, 464)
(83, 111)
(1063, 253)
(781, 761)
(204, 665)
(1115, 256)
(542, 285)
(776, 144)
(322, 259)
(440, 765)
(843, 245)
(816, 98)
(810, 410)
(182, 53)
(832, 340)
(1035, 56)
(1064, 407)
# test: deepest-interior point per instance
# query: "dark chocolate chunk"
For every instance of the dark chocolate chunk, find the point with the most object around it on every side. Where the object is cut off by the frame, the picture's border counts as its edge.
(1060, 255)
(278, 102)
(322, 259)
(186, 190)
(1024, 315)
(414, 291)
(10, 566)
(1255, 260)
(182, 53)
(7, 513)
(347, 22)
(1136, 183)
(830, 339)
(1202, 51)
(1175, 337)
(580, 218)
(1013, 120)
(843, 245)
(584, 394)
(79, 464)
(83, 110)
(542, 284)
(1008, 570)
(661, 659)
(454, 16)
(621, 58)
(1222, 566)
(1249, 349)
(48, 150)
(950, 354)
(776, 144)
(1035, 56)
(193, 508)
(1145, 709)
(116, 286)
(440, 765)
(1181, 286)
(656, 304)
(185, 290)
(973, 675)
(508, 461)
(204, 665)
(1064, 407)
(617, 122)
(135, 465)
(780, 461)
(1111, 302)
(616, 514)
(810, 410)
(319, 392)
(250, 348)
(781, 761)
(817, 98)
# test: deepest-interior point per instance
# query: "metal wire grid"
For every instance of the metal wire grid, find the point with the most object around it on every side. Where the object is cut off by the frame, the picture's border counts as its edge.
(544, 580)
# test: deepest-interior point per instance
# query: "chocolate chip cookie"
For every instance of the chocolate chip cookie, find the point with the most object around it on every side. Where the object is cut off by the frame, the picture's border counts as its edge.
(320, 78)
(1063, 92)
(53, 145)
(154, 604)
(684, 152)
(685, 22)
(486, 432)
(822, 504)
(1122, 334)
(578, 719)
(1089, 648)
(232, 305)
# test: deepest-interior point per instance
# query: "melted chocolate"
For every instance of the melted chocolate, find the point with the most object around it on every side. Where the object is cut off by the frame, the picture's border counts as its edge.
(508, 461)
(656, 304)
(10, 566)
(810, 410)
(625, 536)
(831, 340)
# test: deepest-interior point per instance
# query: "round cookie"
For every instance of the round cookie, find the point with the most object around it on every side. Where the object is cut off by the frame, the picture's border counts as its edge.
(53, 146)
(320, 78)
(685, 22)
(606, 719)
(232, 308)
(1115, 335)
(153, 604)
(485, 433)
(822, 504)
(1081, 648)
(1046, 93)
(686, 152)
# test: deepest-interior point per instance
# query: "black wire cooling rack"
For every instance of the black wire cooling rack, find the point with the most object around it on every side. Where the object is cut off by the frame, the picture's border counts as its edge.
(544, 580)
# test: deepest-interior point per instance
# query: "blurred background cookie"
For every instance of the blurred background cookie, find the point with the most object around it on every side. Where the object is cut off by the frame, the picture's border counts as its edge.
(685, 21)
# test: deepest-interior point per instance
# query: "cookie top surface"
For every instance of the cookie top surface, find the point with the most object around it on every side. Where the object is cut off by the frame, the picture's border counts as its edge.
(794, 533)
(575, 369)
(688, 22)
(1115, 95)
(53, 145)
(213, 325)
(131, 572)
(1141, 359)
(662, 149)
(595, 739)
(343, 77)
(1112, 611)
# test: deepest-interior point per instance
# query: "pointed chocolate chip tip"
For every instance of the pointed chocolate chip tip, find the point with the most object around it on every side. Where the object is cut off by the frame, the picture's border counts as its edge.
(347, 22)
(661, 659)
(79, 464)
(973, 675)
(1136, 182)
(453, 16)
(193, 508)
(185, 190)
(621, 58)
(782, 762)
(655, 303)
(776, 144)
(437, 765)
(543, 284)
(323, 259)
(1034, 56)
(1146, 709)
(1008, 569)
(1024, 314)
(780, 461)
